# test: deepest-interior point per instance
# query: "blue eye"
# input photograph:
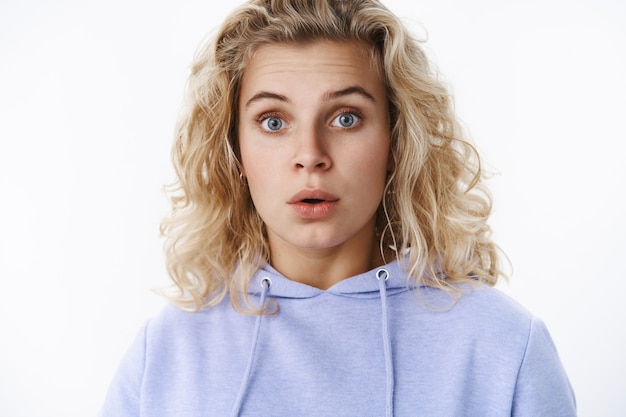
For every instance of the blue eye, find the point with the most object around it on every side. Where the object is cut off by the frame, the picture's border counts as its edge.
(346, 120)
(272, 124)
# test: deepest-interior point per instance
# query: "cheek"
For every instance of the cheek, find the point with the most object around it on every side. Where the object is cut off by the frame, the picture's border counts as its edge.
(249, 157)
(374, 160)
(257, 186)
(378, 163)
(260, 175)
(256, 165)
(369, 172)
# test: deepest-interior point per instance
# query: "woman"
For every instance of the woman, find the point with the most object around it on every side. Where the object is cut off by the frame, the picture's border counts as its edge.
(328, 242)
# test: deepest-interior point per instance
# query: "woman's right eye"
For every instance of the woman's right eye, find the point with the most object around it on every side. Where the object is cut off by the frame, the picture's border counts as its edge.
(272, 123)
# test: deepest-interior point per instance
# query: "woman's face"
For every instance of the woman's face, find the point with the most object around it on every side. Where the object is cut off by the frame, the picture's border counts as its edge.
(314, 140)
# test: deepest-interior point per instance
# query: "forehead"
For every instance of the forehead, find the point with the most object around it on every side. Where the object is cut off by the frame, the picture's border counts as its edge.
(314, 62)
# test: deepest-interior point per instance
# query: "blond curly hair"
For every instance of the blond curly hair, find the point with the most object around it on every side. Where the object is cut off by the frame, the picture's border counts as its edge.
(435, 208)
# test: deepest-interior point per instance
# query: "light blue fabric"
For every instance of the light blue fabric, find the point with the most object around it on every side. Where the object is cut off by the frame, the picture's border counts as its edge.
(324, 354)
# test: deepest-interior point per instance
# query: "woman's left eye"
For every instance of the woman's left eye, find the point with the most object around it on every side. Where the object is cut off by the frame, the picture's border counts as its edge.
(346, 120)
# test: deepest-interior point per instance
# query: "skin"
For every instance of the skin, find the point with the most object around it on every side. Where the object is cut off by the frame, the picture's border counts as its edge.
(314, 119)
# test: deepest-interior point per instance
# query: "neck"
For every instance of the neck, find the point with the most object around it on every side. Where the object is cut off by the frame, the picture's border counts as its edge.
(323, 268)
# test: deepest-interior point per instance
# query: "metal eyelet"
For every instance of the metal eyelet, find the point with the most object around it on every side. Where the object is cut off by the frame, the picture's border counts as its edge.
(382, 272)
(266, 282)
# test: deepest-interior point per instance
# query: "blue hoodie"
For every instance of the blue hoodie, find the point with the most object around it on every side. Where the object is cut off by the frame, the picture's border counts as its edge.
(368, 346)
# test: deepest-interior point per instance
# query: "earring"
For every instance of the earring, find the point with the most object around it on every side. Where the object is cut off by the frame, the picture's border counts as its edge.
(389, 188)
(243, 180)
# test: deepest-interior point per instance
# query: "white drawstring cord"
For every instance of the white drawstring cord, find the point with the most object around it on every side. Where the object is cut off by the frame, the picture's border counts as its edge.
(266, 283)
(383, 275)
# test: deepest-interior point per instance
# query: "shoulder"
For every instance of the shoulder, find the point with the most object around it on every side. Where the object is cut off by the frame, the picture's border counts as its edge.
(496, 312)
(477, 315)
(487, 303)
(174, 328)
(542, 386)
(475, 302)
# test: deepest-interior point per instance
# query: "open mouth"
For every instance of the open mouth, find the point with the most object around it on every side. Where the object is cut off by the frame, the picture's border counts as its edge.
(314, 204)
(312, 198)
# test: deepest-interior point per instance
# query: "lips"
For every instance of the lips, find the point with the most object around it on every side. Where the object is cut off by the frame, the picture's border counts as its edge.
(312, 197)
(313, 204)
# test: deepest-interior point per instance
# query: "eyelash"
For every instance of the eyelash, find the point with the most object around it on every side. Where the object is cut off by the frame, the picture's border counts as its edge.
(353, 112)
(263, 117)
(267, 116)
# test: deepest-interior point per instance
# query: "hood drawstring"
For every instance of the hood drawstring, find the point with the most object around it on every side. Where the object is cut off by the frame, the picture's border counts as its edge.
(383, 275)
(266, 283)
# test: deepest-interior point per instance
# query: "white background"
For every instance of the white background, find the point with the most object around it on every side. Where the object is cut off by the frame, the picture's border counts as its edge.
(89, 93)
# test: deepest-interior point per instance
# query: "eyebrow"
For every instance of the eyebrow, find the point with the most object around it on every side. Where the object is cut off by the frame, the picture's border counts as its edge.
(331, 95)
(349, 91)
(264, 95)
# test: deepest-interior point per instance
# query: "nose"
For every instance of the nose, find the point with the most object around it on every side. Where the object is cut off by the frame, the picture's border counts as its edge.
(311, 151)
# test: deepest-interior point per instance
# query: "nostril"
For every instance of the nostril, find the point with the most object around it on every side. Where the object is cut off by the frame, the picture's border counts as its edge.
(321, 165)
(312, 160)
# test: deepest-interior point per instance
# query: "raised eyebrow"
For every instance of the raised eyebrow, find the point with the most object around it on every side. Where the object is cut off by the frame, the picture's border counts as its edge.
(266, 95)
(328, 96)
(349, 91)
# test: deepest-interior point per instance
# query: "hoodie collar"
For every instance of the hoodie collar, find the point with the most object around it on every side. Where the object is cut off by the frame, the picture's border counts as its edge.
(364, 285)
